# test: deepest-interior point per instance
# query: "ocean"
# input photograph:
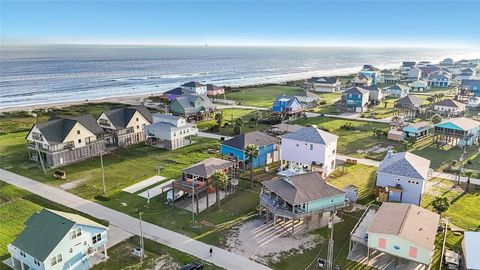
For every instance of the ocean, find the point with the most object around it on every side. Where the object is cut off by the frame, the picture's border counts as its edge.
(52, 74)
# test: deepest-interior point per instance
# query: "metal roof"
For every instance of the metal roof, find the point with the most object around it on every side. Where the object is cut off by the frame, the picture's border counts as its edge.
(405, 164)
(311, 134)
(255, 137)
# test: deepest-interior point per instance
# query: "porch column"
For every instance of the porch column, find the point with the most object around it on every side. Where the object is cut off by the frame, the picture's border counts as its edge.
(268, 214)
(105, 250)
(22, 265)
(196, 201)
(293, 225)
(173, 193)
(13, 262)
(274, 220)
(368, 254)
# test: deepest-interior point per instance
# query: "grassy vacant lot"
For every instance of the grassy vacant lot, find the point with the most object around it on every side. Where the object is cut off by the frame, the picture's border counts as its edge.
(330, 99)
(383, 110)
(156, 255)
(359, 175)
(261, 96)
(464, 211)
(229, 115)
(307, 260)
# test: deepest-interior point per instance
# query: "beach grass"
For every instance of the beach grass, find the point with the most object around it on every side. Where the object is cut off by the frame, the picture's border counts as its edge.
(261, 96)
(229, 116)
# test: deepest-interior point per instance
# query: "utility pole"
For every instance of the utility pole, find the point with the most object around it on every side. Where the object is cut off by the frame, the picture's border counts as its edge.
(193, 200)
(141, 236)
(330, 241)
(103, 174)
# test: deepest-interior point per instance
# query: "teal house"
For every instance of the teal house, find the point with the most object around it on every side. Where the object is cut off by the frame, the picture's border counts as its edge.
(192, 107)
(268, 148)
(417, 130)
(302, 197)
(460, 131)
(58, 240)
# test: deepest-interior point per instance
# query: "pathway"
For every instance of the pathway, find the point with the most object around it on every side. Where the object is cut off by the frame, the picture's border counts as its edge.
(212, 135)
(371, 162)
(221, 257)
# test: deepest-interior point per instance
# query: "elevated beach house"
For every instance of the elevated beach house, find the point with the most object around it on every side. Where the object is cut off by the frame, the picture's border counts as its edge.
(308, 149)
(196, 180)
(299, 197)
(418, 86)
(408, 105)
(323, 84)
(268, 149)
(401, 177)
(65, 140)
(169, 131)
(58, 240)
(413, 74)
(190, 88)
(438, 80)
(417, 130)
(388, 77)
(308, 99)
(192, 107)
(449, 107)
(406, 66)
(375, 93)
(460, 131)
(473, 86)
(361, 80)
(286, 107)
(397, 91)
(404, 231)
(354, 99)
(125, 126)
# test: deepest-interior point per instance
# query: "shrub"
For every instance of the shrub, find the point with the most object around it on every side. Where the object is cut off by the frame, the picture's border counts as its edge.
(348, 126)
(323, 102)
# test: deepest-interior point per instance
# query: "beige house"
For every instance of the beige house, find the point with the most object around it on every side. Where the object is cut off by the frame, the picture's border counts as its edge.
(65, 140)
(125, 126)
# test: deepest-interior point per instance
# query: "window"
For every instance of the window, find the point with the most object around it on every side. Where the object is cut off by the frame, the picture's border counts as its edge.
(138, 127)
(382, 242)
(412, 252)
(297, 144)
(71, 250)
(75, 233)
(311, 146)
(137, 119)
(79, 140)
(56, 259)
(22, 253)
(78, 132)
(37, 262)
(96, 238)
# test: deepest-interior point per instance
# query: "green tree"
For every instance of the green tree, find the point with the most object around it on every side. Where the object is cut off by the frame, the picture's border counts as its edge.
(218, 180)
(219, 119)
(469, 174)
(251, 153)
(440, 204)
(258, 116)
(436, 118)
(237, 125)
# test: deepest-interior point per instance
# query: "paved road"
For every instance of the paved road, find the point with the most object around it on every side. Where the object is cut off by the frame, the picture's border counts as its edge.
(221, 257)
(375, 163)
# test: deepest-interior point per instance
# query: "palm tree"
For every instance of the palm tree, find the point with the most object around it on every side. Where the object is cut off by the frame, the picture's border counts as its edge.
(218, 180)
(469, 174)
(251, 153)
(258, 117)
(238, 124)
(219, 119)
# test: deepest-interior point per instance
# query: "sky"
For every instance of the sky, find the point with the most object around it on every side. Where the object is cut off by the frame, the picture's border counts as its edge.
(256, 23)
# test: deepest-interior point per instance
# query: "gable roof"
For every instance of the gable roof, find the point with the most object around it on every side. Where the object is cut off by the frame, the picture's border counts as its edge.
(121, 117)
(408, 64)
(290, 100)
(179, 91)
(311, 134)
(355, 90)
(56, 129)
(398, 87)
(302, 188)
(450, 103)
(213, 87)
(255, 137)
(437, 76)
(193, 84)
(405, 164)
(407, 221)
(208, 166)
(461, 122)
(410, 99)
(45, 230)
(194, 103)
(328, 80)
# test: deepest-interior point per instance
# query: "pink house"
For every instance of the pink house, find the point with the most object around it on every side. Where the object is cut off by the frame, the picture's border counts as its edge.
(213, 90)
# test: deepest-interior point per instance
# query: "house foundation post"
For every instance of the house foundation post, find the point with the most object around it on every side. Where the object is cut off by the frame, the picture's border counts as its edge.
(105, 250)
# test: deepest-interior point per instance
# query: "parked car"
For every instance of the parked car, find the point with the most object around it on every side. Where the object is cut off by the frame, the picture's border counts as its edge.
(321, 263)
(193, 266)
(178, 195)
(451, 259)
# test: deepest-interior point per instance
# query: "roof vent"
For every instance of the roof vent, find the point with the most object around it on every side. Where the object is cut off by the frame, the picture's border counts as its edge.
(389, 153)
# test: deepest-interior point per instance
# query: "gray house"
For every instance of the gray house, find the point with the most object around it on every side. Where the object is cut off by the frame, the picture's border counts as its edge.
(65, 140)
(192, 107)
(397, 90)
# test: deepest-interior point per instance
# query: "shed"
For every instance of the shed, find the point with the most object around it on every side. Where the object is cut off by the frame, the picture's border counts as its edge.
(395, 135)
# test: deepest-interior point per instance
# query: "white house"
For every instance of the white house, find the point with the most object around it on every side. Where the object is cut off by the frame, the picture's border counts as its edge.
(449, 106)
(196, 87)
(413, 74)
(169, 131)
(406, 66)
(323, 84)
(396, 90)
(401, 177)
(65, 140)
(308, 149)
(125, 125)
(54, 240)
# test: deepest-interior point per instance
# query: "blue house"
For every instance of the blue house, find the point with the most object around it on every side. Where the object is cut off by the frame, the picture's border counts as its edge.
(356, 99)
(268, 148)
(302, 197)
(287, 105)
(57, 240)
(417, 130)
(373, 75)
(457, 132)
(472, 86)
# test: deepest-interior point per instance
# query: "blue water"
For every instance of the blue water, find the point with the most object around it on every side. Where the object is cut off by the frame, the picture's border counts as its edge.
(51, 74)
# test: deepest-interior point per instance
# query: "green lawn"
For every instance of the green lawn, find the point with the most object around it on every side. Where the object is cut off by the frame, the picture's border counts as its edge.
(261, 96)
(464, 211)
(383, 110)
(359, 175)
(229, 115)
(156, 255)
(330, 99)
